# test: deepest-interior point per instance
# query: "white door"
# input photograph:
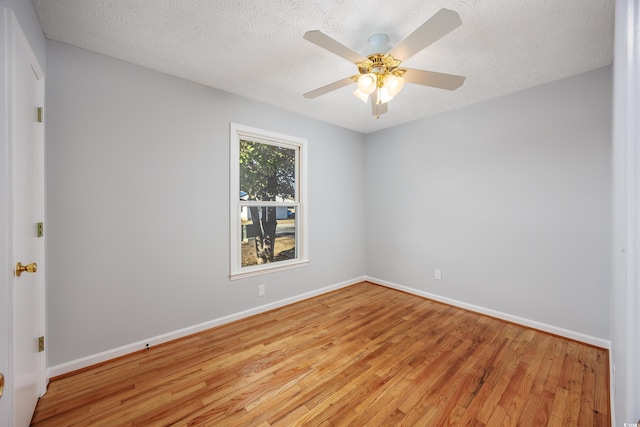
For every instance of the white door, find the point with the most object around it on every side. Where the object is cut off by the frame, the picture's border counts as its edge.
(28, 247)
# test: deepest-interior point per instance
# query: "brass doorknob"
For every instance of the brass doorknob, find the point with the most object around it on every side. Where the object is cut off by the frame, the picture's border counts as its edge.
(1, 385)
(29, 268)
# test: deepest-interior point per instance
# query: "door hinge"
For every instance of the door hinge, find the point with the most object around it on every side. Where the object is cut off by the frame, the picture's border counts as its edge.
(40, 229)
(40, 344)
(40, 114)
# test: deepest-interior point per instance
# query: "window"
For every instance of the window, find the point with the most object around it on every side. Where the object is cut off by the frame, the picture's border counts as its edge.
(267, 202)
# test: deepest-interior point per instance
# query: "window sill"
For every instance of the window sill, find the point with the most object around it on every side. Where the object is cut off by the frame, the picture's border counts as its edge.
(260, 270)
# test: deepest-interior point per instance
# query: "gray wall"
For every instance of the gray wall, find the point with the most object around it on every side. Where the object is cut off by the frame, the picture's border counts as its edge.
(137, 214)
(510, 198)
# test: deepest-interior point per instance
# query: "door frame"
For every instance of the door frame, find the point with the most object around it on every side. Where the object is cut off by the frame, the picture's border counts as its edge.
(12, 33)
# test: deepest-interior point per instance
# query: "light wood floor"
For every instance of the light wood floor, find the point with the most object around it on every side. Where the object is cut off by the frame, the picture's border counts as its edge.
(363, 355)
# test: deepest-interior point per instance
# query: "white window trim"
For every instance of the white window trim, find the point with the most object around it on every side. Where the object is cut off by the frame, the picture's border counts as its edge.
(238, 132)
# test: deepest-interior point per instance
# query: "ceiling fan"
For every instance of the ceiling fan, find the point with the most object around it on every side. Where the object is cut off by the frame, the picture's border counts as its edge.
(379, 77)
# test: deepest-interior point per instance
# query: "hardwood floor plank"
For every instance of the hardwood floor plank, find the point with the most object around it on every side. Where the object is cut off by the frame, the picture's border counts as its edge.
(364, 355)
(587, 405)
(514, 412)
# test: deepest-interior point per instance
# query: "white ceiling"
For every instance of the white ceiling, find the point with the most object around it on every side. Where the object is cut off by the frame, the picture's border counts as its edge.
(254, 48)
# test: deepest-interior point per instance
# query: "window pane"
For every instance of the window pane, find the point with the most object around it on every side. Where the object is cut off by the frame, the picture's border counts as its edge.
(268, 234)
(267, 172)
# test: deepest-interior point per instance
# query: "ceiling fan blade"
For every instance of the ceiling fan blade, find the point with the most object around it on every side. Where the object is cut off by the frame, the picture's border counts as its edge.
(328, 88)
(433, 79)
(436, 27)
(377, 109)
(324, 41)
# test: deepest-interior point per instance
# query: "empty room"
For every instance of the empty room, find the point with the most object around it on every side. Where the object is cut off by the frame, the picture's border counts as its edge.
(202, 225)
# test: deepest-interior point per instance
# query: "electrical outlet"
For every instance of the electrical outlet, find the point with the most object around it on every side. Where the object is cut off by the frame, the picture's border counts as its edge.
(438, 274)
(261, 290)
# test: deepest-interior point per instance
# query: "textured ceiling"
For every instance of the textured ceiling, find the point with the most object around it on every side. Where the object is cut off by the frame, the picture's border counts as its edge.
(254, 48)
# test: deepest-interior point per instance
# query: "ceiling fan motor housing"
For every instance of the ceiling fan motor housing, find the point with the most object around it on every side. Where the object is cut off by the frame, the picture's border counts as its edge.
(380, 64)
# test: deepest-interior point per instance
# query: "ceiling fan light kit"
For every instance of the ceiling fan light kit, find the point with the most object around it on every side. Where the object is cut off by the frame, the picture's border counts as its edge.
(379, 73)
(379, 77)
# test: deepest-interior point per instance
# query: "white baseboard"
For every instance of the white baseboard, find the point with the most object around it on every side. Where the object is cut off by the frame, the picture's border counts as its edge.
(577, 336)
(84, 362)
